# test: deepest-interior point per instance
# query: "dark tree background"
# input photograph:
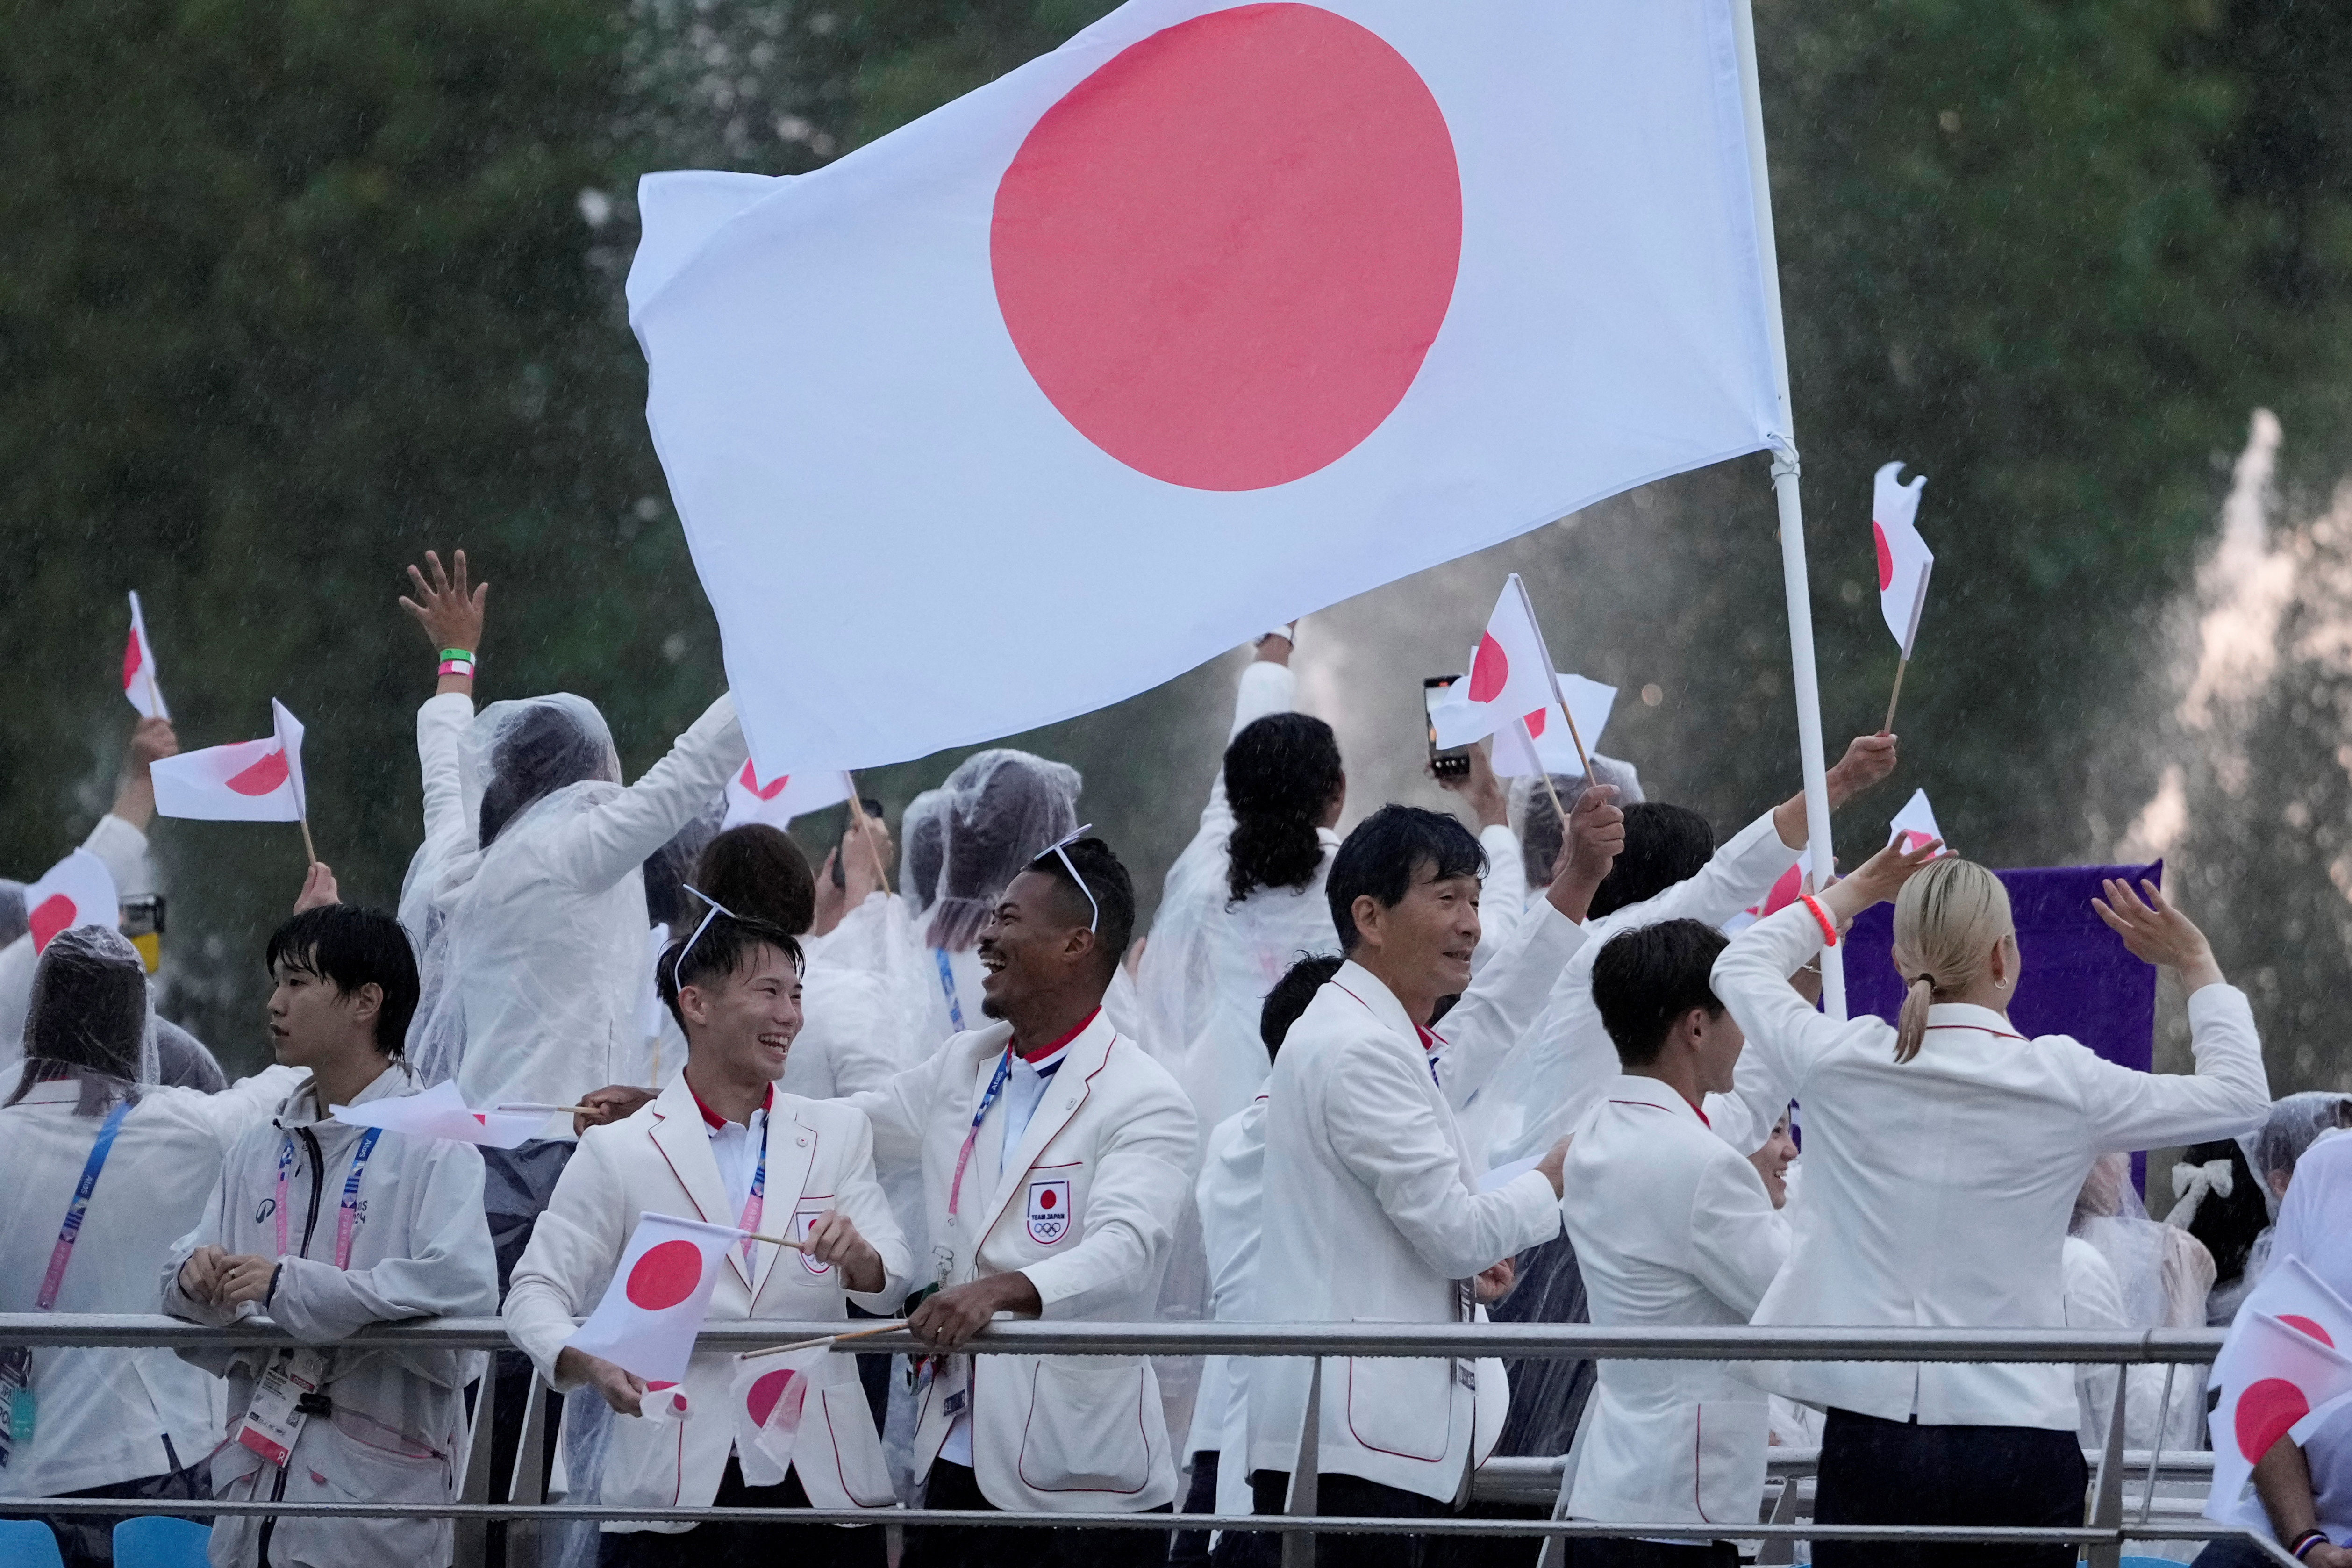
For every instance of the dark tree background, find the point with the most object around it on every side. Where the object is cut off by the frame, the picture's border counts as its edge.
(292, 292)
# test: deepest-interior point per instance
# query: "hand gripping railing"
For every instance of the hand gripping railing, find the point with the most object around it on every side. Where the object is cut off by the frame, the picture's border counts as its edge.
(2101, 1536)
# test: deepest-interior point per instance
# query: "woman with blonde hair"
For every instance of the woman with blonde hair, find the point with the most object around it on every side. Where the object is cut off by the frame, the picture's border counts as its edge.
(1943, 1156)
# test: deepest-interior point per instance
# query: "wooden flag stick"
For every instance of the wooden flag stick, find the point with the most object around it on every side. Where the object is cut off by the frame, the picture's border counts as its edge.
(1558, 701)
(1550, 788)
(824, 1339)
(865, 829)
(1888, 728)
(778, 1241)
(307, 847)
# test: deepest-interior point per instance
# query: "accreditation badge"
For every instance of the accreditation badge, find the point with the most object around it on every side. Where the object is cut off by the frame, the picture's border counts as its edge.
(1049, 1209)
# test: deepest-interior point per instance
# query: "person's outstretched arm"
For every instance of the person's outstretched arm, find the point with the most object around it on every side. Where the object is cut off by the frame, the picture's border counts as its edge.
(452, 612)
(597, 847)
(120, 837)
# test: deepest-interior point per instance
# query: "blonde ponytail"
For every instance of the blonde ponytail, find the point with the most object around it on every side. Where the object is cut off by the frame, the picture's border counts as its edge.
(1948, 919)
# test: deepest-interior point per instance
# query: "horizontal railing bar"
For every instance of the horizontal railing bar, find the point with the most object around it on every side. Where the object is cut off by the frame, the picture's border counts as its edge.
(1526, 1342)
(2190, 1465)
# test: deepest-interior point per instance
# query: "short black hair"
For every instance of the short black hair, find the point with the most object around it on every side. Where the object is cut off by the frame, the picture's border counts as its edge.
(353, 947)
(759, 872)
(724, 947)
(1645, 978)
(1381, 858)
(1113, 909)
(1289, 997)
(1664, 844)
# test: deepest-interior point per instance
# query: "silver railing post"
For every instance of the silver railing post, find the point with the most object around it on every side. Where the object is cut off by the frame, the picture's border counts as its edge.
(2163, 1430)
(1306, 1474)
(2107, 1495)
(473, 1539)
(528, 1485)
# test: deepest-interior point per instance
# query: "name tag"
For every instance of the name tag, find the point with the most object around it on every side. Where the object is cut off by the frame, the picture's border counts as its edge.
(1049, 1209)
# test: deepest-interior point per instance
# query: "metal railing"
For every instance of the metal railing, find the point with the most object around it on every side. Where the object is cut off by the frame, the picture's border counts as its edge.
(2108, 1523)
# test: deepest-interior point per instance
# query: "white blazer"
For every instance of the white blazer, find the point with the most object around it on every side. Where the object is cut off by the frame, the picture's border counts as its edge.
(1087, 1207)
(1937, 1189)
(820, 1156)
(1673, 1229)
(1372, 1214)
(1232, 1186)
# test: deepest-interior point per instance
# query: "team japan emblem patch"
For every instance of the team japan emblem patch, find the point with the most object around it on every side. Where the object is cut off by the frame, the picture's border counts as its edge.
(1049, 1209)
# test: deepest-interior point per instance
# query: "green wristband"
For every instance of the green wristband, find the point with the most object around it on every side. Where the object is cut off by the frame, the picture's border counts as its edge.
(464, 653)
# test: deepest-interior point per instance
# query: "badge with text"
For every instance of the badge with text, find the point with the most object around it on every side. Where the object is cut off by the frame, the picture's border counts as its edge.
(275, 1417)
(1049, 1209)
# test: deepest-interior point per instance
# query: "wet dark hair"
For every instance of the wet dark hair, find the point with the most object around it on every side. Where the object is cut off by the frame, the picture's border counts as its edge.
(540, 752)
(87, 1017)
(2229, 1226)
(1383, 856)
(1644, 979)
(1664, 844)
(1282, 772)
(669, 868)
(1114, 895)
(724, 948)
(353, 947)
(1289, 997)
(760, 873)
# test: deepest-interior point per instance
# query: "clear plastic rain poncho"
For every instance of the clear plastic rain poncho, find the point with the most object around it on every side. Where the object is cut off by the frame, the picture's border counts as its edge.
(1540, 828)
(2295, 1123)
(89, 1019)
(13, 923)
(527, 899)
(2146, 1274)
(922, 844)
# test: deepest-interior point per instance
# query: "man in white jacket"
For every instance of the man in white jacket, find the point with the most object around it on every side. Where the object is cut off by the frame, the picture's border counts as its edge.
(1673, 1229)
(1057, 1157)
(721, 1144)
(1372, 1207)
(328, 1229)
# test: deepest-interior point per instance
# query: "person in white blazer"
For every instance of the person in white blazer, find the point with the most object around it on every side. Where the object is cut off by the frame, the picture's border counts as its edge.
(721, 1144)
(1056, 1158)
(1372, 1208)
(107, 1423)
(1942, 1161)
(1674, 1228)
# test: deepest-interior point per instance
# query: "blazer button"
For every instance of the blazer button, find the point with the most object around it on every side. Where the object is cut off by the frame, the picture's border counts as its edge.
(802, 1140)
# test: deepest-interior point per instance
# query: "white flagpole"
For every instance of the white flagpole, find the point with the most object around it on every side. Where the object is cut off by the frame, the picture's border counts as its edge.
(1792, 511)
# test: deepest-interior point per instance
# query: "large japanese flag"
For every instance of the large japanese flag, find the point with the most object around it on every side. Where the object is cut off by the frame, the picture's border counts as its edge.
(660, 1294)
(79, 891)
(2274, 1378)
(1215, 312)
(1905, 561)
(777, 801)
(247, 781)
(139, 667)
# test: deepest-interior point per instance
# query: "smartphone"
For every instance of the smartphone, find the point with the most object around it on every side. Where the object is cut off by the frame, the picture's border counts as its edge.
(872, 809)
(1451, 763)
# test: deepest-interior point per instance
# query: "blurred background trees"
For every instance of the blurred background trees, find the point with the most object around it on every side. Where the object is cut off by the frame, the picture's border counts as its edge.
(294, 291)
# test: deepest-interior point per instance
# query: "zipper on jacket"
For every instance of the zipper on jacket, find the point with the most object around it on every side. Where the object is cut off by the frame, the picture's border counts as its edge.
(318, 1186)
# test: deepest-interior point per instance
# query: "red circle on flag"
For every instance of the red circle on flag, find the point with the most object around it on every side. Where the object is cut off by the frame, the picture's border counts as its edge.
(665, 1275)
(760, 1399)
(1885, 557)
(262, 776)
(2308, 1327)
(2265, 1410)
(1490, 670)
(1224, 254)
(1045, 1199)
(131, 659)
(49, 917)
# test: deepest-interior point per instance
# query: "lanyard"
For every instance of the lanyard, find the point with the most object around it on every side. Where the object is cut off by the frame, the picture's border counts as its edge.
(995, 1088)
(757, 1203)
(346, 1212)
(947, 984)
(71, 1231)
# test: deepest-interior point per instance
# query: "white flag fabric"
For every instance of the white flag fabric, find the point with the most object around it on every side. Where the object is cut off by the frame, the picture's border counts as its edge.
(660, 1294)
(2274, 1379)
(1211, 314)
(1904, 558)
(776, 804)
(139, 667)
(1554, 751)
(2297, 1297)
(1508, 678)
(247, 781)
(442, 1112)
(767, 1399)
(1915, 825)
(79, 891)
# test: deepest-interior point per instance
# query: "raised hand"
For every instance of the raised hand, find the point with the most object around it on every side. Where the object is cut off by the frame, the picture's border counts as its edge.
(2158, 932)
(1868, 760)
(1480, 789)
(318, 888)
(1881, 877)
(1596, 834)
(450, 611)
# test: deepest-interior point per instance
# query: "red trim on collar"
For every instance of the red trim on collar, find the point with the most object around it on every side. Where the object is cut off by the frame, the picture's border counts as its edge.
(1428, 1039)
(1980, 1029)
(1054, 1049)
(713, 1121)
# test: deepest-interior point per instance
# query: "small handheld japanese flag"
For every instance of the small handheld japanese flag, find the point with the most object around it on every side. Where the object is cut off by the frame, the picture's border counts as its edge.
(767, 1399)
(77, 890)
(139, 667)
(2297, 1297)
(1509, 679)
(1589, 702)
(1781, 895)
(777, 803)
(441, 1113)
(1915, 825)
(1904, 558)
(249, 781)
(659, 1295)
(2273, 1380)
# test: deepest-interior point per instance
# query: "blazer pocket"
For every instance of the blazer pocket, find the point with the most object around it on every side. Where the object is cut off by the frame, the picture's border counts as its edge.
(1086, 1431)
(1402, 1407)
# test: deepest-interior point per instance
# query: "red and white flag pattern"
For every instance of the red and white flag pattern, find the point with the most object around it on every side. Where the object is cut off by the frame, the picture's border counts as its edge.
(2276, 1380)
(768, 1398)
(1915, 825)
(442, 1112)
(247, 781)
(778, 801)
(139, 667)
(1553, 752)
(77, 890)
(1781, 894)
(659, 1295)
(1904, 558)
(1509, 679)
